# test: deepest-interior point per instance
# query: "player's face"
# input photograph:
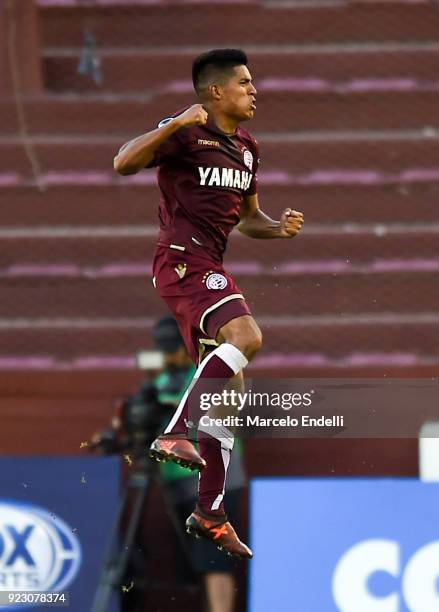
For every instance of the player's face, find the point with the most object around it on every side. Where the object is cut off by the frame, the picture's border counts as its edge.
(239, 95)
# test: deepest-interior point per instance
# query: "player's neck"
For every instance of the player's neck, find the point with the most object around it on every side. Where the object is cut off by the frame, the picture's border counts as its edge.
(226, 125)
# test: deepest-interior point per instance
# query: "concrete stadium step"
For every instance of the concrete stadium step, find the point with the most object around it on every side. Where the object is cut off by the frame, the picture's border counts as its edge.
(278, 111)
(133, 25)
(385, 153)
(131, 204)
(402, 292)
(83, 205)
(341, 111)
(317, 337)
(76, 256)
(292, 68)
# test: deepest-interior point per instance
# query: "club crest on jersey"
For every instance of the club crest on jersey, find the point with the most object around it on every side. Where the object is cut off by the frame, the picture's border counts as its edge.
(215, 281)
(248, 159)
(225, 177)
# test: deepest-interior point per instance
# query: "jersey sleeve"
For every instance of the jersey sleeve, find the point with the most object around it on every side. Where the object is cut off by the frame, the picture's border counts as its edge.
(253, 189)
(170, 149)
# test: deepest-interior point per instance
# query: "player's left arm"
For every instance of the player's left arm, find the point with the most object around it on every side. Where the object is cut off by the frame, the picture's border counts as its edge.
(256, 224)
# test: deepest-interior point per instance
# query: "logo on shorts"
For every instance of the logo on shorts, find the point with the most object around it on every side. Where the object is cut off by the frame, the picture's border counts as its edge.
(248, 159)
(214, 280)
(180, 269)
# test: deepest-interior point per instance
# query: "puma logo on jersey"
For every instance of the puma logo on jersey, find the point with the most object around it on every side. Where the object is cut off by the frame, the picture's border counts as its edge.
(225, 177)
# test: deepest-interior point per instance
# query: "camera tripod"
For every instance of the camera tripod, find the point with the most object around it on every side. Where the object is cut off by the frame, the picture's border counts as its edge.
(117, 552)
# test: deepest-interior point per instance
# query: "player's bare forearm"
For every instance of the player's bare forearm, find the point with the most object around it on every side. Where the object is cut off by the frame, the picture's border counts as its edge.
(136, 154)
(260, 226)
(256, 224)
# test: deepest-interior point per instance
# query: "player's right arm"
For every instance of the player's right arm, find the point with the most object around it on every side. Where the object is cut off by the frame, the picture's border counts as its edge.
(136, 154)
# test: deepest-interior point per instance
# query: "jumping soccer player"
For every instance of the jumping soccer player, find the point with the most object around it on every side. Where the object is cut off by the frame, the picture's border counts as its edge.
(207, 166)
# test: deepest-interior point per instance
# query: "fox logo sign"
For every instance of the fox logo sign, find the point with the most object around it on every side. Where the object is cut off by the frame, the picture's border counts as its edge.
(38, 550)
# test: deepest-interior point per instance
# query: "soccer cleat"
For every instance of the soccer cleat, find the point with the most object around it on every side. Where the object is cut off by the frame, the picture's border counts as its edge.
(177, 449)
(220, 533)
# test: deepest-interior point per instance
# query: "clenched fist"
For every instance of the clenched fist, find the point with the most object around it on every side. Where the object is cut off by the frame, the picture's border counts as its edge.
(291, 222)
(195, 115)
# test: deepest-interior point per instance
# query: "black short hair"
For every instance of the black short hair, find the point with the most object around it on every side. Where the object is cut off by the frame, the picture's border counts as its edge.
(216, 61)
(167, 336)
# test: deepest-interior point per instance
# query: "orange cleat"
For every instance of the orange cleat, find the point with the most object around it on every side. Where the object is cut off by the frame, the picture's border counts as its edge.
(221, 533)
(177, 449)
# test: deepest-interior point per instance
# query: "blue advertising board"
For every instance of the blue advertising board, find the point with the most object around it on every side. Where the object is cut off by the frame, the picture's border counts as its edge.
(349, 545)
(55, 516)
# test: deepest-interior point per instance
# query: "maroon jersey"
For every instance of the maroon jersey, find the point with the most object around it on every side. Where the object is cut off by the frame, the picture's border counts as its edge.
(203, 175)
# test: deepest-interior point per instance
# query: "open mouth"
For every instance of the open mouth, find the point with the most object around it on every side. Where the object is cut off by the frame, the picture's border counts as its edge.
(253, 106)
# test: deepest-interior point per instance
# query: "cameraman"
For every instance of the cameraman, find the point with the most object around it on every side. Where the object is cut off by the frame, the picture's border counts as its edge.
(182, 484)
